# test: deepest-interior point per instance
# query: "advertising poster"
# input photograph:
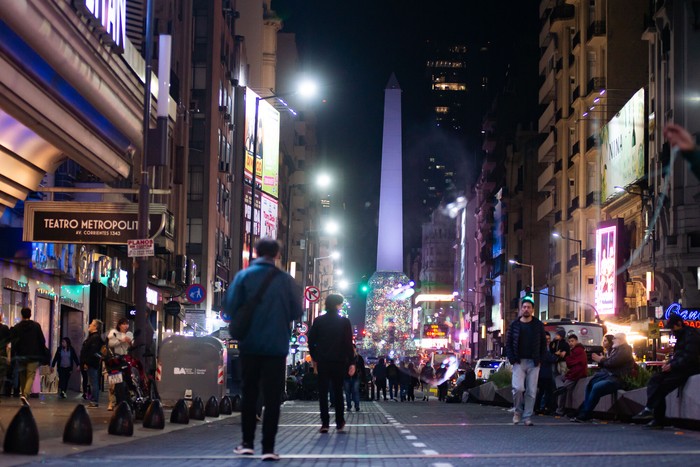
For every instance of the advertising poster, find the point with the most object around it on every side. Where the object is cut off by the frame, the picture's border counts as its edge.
(607, 262)
(267, 149)
(623, 147)
(246, 224)
(268, 207)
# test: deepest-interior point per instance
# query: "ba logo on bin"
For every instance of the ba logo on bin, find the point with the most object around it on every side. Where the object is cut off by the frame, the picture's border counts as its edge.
(182, 371)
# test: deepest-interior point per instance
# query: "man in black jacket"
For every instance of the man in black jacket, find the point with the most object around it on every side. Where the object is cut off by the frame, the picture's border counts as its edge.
(330, 346)
(674, 373)
(91, 360)
(28, 344)
(525, 345)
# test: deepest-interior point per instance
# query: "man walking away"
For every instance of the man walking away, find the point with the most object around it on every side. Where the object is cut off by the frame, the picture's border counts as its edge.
(330, 346)
(577, 364)
(379, 373)
(392, 374)
(265, 346)
(684, 363)
(28, 344)
(352, 383)
(525, 345)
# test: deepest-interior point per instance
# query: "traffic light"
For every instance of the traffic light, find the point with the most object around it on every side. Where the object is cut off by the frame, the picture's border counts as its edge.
(364, 286)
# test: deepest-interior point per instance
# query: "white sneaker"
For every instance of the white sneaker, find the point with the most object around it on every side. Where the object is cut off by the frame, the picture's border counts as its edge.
(270, 456)
(516, 418)
(244, 450)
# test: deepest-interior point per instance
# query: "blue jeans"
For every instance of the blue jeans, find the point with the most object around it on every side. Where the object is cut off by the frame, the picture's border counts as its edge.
(524, 382)
(94, 377)
(352, 392)
(596, 388)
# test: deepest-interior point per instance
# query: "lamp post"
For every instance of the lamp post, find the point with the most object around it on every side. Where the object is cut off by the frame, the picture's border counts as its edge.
(334, 255)
(330, 228)
(305, 89)
(580, 274)
(532, 272)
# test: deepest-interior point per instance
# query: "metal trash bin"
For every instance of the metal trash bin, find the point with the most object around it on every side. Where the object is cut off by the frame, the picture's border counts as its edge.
(197, 364)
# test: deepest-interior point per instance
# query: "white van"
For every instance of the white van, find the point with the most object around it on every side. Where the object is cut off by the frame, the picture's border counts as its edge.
(590, 335)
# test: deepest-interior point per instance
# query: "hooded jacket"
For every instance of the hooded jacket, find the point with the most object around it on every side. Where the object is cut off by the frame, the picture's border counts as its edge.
(577, 362)
(686, 352)
(620, 362)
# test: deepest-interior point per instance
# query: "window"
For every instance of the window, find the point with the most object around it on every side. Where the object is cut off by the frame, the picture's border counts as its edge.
(196, 190)
(194, 230)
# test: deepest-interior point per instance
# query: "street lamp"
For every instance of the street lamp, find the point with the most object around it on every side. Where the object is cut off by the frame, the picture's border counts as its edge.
(305, 90)
(580, 275)
(532, 272)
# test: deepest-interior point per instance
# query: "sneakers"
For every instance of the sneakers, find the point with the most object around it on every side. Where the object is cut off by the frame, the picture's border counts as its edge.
(110, 407)
(244, 450)
(62, 395)
(516, 418)
(341, 428)
(644, 416)
(324, 429)
(559, 413)
(24, 401)
(93, 405)
(357, 409)
(654, 425)
(270, 457)
(528, 422)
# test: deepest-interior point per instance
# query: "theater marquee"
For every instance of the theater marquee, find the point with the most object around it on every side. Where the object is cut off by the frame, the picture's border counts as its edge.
(89, 223)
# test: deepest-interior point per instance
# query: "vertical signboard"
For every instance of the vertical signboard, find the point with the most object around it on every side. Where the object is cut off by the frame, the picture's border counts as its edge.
(267, 150)
(248, 212)
(268, 208)
(607, 265)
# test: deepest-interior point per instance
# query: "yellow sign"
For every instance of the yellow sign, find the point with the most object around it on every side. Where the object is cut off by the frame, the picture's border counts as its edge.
(654, 332)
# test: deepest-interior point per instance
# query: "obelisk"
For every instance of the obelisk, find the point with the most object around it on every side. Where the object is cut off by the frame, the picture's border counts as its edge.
(388, 313)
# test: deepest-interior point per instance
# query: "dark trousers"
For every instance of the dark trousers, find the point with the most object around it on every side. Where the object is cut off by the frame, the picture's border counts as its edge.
(331, 374)
(85, 381)
(545, 398)
(63, 377)
(661, 385)
(393, 388)
(267, 371)
(381, 388)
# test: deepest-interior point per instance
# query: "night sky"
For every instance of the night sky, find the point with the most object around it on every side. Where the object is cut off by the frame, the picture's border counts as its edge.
(353, 47)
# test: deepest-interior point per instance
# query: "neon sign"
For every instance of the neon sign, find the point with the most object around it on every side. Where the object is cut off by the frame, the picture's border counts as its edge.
(606, 270)
(690, 317)
(109, 16)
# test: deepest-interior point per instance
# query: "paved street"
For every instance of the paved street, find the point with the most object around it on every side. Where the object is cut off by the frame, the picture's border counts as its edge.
(385, 433)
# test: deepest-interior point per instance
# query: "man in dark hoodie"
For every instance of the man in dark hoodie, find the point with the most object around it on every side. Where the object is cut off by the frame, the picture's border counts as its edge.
(379, 373)
(609, 378)
(28, 344)
(330, 346)
(684, 363)
(525, 345)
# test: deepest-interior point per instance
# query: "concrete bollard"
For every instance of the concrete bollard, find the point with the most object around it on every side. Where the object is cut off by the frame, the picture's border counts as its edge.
(22, 435)
(154, 416)
(78, 428)
(197, 409)
(225, 407)
(122, 421)
(212, 407)
(180, 413)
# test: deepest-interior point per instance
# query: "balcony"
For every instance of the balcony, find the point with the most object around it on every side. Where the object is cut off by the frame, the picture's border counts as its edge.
(596, 32)
(547, 57)
(576, 40)
(589, 256)
(545, 7)
(556, 270)
(548, 148)
(546, 208)
(591, 143)
(592, 198)
(546, 179)
(547, 89)
(576, 149)
(572, 208)
(561, 13)
(557, 217)
(572, 262)
(595, 85)
(547, 118)
(558, 165)
(576, 94)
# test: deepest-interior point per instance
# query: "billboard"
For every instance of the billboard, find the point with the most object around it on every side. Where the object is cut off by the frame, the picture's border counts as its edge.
(268, 209)
(623, 147)
(247, 214)
(267, 150)
(608, 260)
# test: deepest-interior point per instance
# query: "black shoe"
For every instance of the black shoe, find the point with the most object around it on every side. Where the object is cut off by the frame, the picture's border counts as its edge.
(654, 425)
(324, 429)
(643, 416)
(357, 409)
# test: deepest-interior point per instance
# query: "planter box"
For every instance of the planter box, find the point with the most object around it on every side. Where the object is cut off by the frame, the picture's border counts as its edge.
(505, 396)
(686, 403)
(629, 403)
(484, 393)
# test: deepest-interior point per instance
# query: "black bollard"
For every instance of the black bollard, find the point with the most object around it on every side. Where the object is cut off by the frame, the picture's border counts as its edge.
(236, 403)
(197, 409)
(212, 407)
(180, 413)
(122, 421)
(154, 416)
(78, 428)
(22, 435)
(225, 407)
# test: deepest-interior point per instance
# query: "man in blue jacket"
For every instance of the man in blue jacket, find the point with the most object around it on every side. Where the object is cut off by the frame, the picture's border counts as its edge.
(265, 346)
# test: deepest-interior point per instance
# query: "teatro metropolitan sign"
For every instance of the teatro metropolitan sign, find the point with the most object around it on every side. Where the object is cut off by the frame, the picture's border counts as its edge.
(90, 223)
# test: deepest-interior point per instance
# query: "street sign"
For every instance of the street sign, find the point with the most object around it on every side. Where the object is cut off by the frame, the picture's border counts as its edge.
(654, 331)
(303, 328)
(302, 339)
(139, 248)
(172, 308)
(196, 293)
(224, 316)
(312, 294)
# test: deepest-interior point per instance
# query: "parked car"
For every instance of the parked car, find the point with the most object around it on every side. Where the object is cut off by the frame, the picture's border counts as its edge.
(485, 367)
